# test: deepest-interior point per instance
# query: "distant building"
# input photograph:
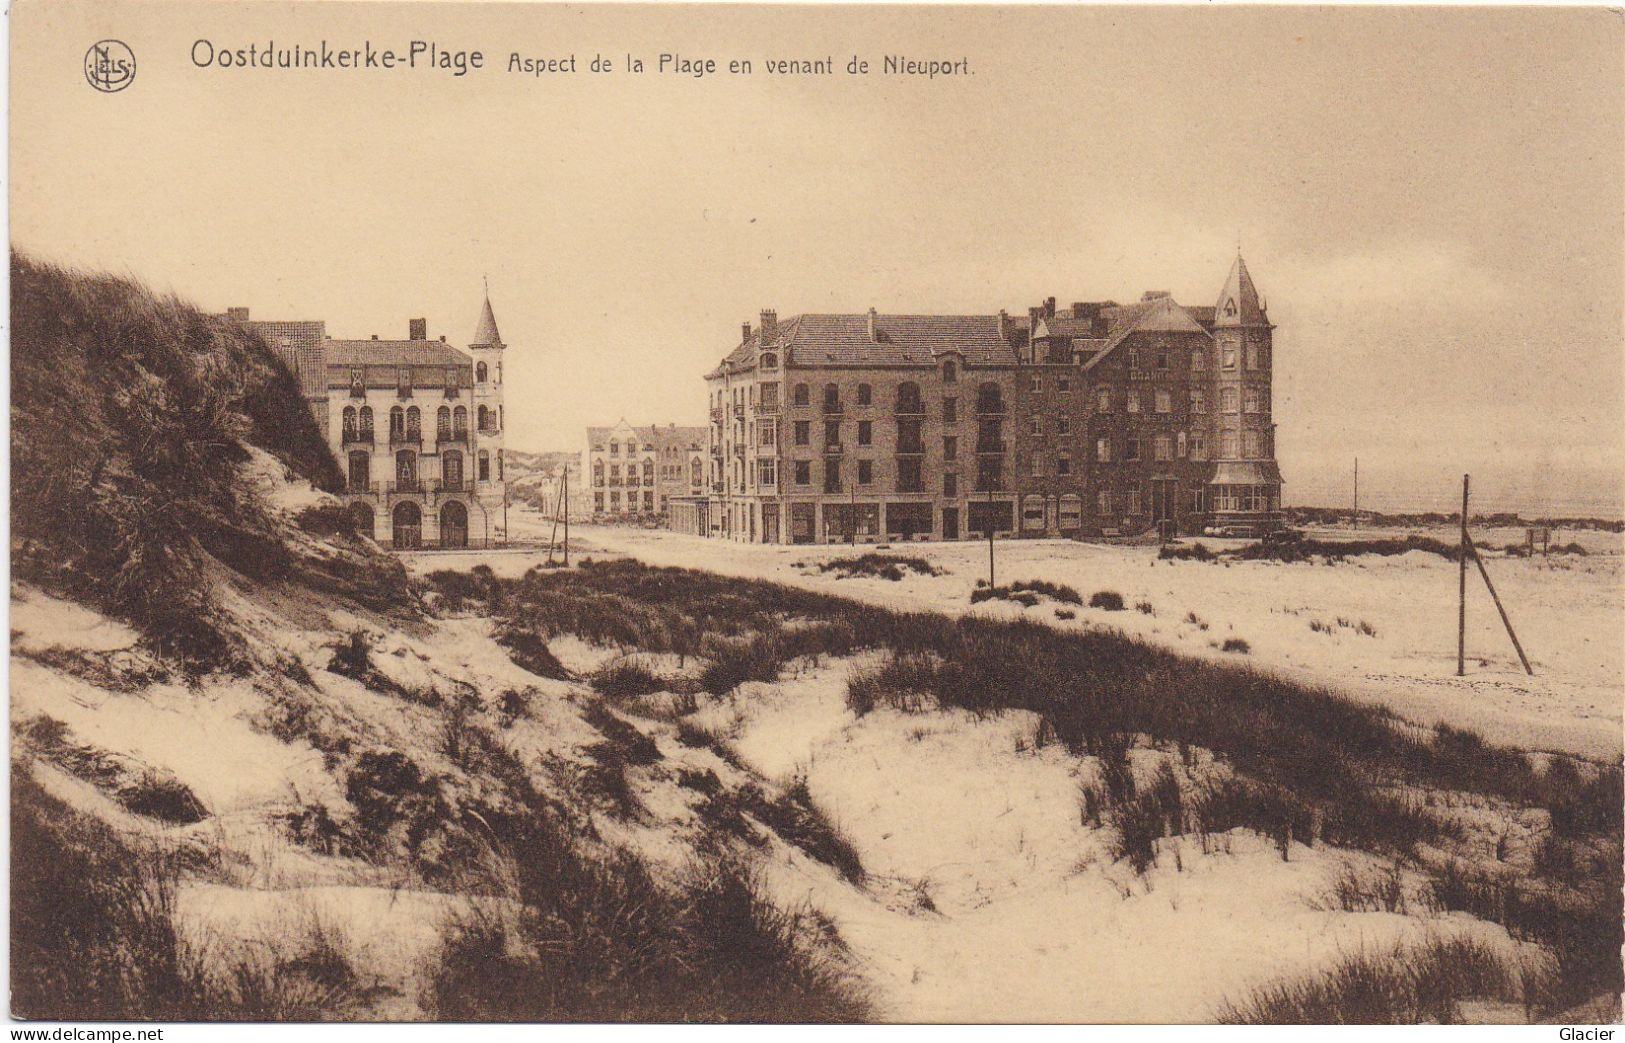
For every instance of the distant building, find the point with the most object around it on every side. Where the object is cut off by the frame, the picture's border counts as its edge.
(416, 425)
(634, 472)
(1101, 419)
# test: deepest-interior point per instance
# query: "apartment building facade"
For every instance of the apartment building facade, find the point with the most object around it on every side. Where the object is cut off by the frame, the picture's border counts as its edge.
(1098, 420)
(635, 472)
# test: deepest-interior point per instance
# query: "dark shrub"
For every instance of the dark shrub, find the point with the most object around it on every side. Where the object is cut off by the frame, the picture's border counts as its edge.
(1109, 600)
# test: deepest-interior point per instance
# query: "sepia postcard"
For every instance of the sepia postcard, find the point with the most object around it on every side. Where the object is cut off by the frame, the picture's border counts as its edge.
(824, 514)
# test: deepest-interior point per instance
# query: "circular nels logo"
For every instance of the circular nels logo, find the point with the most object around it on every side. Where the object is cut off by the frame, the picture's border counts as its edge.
(109, 66)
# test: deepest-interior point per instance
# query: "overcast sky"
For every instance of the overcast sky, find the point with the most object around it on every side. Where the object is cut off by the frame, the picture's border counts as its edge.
(1431, 201)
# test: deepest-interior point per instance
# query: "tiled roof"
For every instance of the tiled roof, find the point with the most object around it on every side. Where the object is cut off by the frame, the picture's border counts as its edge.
(654, 435)
(394, 353)
(899, 340)
(1238, 301)
(1157, 315)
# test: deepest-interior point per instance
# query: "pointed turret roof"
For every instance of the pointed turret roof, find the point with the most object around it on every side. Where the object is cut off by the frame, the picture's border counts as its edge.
(1238, 301)
(486, 333)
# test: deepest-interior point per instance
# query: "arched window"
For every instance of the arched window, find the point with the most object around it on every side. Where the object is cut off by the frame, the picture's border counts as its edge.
(950, 372)
(397, 424)
(1198, 359)
(451, 470)
(908, 398)
(480, 372)
(696, 472)
(485, 419)
(459, 422)
(989, 398)
(770, 360)
(865, 394)
(832, 398)
(366, 423)
(442, 423)
(349, 424)
(799, 395)
(485, 466)
(414, 424)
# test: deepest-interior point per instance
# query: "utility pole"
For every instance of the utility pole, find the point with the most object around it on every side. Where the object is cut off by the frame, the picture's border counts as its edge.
(1461, 609)
(852, 518)
(1356, 492)
(990, 581)
(566, 498)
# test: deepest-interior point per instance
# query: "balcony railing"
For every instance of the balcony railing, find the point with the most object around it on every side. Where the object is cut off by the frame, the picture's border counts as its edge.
(399, 438)
(447, 487)
(452, 391)
(357, 438)
(404, 487)
(354, 488)
(451, 437)
(833, 409)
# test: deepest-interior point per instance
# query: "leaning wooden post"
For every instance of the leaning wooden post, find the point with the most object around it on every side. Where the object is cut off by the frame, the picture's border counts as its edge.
(1461, 603)
(1482, 571)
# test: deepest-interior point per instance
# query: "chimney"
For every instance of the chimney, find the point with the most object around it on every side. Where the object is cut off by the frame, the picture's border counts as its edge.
(375, 336)
(442, 338)
(1004, 323)
(417, 329)
(1049, 307)
(770, 325)
(1080, 309)
(237, 314)
(744, 331)
(874, 330)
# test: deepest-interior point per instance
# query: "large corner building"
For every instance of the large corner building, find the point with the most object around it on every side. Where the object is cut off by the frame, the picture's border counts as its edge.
(416, 424)
(1097, 420)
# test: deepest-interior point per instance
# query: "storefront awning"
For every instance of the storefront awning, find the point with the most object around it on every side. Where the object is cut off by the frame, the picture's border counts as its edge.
(1246, 472)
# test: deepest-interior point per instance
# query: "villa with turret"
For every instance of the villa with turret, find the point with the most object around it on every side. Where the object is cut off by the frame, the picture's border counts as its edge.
(416, 424)
(1101, 419)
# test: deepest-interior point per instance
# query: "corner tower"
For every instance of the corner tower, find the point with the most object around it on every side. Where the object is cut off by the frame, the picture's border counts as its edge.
(1245, 491)
(487, 350)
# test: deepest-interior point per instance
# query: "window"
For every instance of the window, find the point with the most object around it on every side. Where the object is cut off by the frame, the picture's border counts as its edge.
(1198, 400)
(1035, 427)
(866, 472)
(366, 423)
(614, 474)
(909, 436)
(1165, 402)
(1063, 385)
(1134, 498)
(989, 398)
(598, 502)
(1103, 503)
(1249, 400)
(908, 398)
(1131, 447)
(1249, 444)
(767, 472)
(1063, 425)
(485, 466)
(1182, 445)
(1035, 382)
(950, 372)
(1229, 356)
(803, 472)
(1227, 400)
(803, 432)
(1063, 464)
(798, 396)
(832, 398)
(1032, 512)
(442, 424)
(1252, 355)
(480, 372)
(770, 398)
(349, 424)
(866, 432)
(1103, 400)
(1163, 447)
(832, 434)
(1198, 359)
(1162, 360)
(414, 424)
(1037, 465)
(1071, 511)
(1227, 445)
(1133, 358)
(767, 433)
(950, 485)
(832, 474)
(950, 410)
(989, 473)
(397, 424)
(990, 437)
(598, 473)
(1133, 400)
(865, 394)
(1198, 446)
(1103, 449)
(950, 447)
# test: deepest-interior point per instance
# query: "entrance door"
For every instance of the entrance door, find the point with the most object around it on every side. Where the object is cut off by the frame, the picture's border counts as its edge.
(408, 526)
(451, 470)
(360, 471)
(1164, 499)
(453, 525)
(950, 523)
